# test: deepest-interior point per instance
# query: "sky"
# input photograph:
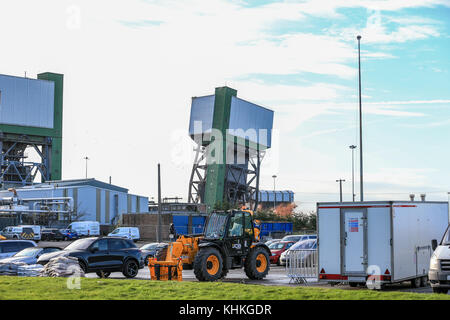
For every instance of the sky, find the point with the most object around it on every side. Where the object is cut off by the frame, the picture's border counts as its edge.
(131, 68)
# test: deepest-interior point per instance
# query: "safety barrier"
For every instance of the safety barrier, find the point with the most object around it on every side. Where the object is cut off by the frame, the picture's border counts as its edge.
(301, 265)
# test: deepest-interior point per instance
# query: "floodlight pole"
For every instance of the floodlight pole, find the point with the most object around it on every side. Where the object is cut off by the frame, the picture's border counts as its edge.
(360, 123)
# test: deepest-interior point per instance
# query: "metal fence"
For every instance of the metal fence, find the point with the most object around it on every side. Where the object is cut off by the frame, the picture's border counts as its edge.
(301, 265)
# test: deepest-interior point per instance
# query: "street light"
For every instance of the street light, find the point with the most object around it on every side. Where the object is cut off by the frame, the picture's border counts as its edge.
(360, 122)
(340, 188)
(86, 158)
(274, 193)
(353, 147)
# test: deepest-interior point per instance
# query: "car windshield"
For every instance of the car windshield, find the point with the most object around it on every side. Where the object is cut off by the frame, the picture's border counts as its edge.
(305, 244)
(292, 238)
(80, 244)
(215, 228)
(276, 245)
(446, 240)
(115, 231)
(28, 252)
(149, 246)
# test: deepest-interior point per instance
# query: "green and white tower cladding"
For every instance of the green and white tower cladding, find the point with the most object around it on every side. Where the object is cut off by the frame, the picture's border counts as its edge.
(31, 113)
(232, 136)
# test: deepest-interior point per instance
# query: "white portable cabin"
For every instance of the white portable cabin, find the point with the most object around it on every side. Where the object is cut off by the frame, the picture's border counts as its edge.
(391, 240)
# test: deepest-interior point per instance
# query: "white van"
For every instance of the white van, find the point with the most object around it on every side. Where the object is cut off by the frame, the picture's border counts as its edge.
(131, 233)
(85, 228)
(23, 232)
(439, 274)
(36, 231)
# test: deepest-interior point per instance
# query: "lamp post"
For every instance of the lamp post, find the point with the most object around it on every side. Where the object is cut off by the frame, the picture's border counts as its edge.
(158, 230)
(274, 193)
(360, 122)
(86, 158)
(353, 147)
(340, 188)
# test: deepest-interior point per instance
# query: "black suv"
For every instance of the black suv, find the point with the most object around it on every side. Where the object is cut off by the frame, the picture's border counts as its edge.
(52, 234)
(102, 256)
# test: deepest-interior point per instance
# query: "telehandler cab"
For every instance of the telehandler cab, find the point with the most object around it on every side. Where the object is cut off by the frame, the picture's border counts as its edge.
(230, 240)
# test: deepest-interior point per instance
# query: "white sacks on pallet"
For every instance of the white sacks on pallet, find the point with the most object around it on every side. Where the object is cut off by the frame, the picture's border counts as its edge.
(20, 269)
(32, 270)
(62, 267)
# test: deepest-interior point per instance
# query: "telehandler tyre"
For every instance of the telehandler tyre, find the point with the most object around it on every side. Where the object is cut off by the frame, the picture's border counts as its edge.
(208, 264)
(257, 263)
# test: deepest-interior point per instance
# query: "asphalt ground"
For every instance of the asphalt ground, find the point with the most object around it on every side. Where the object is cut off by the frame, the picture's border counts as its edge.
(276, 277)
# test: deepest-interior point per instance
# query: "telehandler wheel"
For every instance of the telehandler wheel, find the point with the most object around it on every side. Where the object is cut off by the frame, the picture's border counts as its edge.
(257, 263)
(208, 264)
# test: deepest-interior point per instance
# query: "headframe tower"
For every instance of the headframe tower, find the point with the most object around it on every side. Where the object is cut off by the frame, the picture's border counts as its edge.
(231, 136)
(31, 112)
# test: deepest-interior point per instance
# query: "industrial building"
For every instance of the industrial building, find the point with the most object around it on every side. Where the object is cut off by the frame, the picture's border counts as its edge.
(59, 202)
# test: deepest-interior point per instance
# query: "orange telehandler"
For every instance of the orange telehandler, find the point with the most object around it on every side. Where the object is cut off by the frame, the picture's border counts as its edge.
(230, 240)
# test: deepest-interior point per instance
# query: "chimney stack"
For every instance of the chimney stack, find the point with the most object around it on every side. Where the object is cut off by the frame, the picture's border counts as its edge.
(411, 196)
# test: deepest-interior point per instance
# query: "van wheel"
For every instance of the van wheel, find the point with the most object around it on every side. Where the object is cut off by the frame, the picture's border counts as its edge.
(415, 283)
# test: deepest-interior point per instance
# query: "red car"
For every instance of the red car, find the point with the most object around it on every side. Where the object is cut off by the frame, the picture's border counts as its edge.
(277, 248)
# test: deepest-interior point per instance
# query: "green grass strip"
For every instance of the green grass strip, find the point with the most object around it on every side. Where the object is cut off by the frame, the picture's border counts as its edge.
(24, 288)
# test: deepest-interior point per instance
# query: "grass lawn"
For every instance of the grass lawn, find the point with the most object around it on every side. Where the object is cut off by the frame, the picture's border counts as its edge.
(56, 289)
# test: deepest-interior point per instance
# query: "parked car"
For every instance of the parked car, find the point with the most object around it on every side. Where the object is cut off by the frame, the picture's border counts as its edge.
(299, 237)
(277, 248)
(22, 232)
(85, 228)
(51, 234)
(69, 234)
(268, 242)
(303, 244)
(131, 233)
(150, 250)
(102, 255)
(439, 273)
(10, 247)
(29, 255)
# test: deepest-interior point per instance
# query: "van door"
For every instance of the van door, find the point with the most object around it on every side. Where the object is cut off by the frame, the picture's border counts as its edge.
(354, 241)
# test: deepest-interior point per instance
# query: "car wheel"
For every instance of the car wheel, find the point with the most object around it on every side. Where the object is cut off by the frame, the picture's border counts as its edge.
(83, 266)
(130, 268)
(103, 274)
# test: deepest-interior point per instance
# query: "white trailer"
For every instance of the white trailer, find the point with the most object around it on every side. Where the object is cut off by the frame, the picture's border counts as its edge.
(382, 242)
